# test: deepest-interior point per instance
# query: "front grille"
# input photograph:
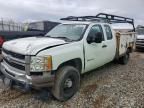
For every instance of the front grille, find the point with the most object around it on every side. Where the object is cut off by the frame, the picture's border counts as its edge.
(15, 55)
(140, 41)
(15, 65)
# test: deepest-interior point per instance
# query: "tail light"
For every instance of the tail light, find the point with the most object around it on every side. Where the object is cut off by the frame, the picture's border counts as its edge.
(2, 40)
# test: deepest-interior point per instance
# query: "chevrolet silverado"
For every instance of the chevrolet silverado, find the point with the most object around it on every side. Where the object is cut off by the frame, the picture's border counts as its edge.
(57, 60)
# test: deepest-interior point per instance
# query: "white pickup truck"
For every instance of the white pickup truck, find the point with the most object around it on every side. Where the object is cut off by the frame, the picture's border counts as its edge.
(140, 38)
(72, 48)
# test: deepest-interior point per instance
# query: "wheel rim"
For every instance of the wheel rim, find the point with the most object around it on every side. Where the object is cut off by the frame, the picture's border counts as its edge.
(69, 84)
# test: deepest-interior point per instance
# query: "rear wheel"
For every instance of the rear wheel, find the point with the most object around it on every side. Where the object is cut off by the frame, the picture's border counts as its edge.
(67, 83)
(124, 59)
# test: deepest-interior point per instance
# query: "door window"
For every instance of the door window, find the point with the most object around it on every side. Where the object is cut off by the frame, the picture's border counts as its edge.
(108, 32)
(96, 29)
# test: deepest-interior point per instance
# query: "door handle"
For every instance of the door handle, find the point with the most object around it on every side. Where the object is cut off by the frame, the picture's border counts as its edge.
(104, 46)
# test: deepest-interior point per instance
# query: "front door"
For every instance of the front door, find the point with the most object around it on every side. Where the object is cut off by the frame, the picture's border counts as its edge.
(95, 53)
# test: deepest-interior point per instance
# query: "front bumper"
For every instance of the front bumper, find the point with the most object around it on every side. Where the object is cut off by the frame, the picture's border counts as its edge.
(35, 81)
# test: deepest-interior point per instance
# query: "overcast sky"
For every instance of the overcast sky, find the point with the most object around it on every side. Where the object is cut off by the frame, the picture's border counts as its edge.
(27, 10)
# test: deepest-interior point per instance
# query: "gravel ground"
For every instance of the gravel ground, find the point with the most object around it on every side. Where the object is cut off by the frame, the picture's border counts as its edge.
(112, 86)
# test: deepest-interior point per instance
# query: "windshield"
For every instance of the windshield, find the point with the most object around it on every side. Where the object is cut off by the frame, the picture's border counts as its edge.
(69, 31)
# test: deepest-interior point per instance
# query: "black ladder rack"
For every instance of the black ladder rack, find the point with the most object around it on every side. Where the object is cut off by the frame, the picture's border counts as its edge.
(107, 18)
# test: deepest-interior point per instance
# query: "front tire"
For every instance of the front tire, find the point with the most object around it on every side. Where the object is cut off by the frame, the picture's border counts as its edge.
(67, 83)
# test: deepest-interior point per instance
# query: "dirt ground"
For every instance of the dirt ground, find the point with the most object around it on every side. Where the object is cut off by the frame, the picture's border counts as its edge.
(112, 86)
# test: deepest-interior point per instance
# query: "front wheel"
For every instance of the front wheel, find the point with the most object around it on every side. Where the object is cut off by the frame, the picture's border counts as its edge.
(67, 83)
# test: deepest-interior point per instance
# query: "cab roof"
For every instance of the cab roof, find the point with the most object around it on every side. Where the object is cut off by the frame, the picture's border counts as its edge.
(82, 22)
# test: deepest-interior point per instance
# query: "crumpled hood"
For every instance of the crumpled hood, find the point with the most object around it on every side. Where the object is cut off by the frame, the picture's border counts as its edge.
(31, 45)
(140, 36)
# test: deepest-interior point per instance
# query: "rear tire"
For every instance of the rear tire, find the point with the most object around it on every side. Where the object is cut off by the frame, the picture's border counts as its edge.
(124, 59)
(66, 84)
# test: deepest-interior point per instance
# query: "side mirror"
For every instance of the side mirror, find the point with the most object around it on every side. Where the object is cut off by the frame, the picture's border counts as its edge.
(90, 39)
(97, 38)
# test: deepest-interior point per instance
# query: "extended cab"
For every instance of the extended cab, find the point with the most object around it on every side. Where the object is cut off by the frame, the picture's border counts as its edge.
(67, 51)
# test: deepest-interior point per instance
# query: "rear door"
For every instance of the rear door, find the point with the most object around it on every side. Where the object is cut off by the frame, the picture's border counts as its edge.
(110, 43)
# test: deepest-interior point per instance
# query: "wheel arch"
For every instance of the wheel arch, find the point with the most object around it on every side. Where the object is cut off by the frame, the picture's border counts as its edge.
(77, 63)
(130, 49)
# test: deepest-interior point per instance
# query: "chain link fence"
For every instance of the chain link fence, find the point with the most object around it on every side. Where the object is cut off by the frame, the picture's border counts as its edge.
(10, 25)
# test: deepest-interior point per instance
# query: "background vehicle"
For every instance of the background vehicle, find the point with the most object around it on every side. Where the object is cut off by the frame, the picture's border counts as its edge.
(140, 38)
(33, 29)
(70, 49)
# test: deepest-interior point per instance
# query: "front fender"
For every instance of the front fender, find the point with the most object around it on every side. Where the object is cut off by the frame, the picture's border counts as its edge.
(64, 53)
